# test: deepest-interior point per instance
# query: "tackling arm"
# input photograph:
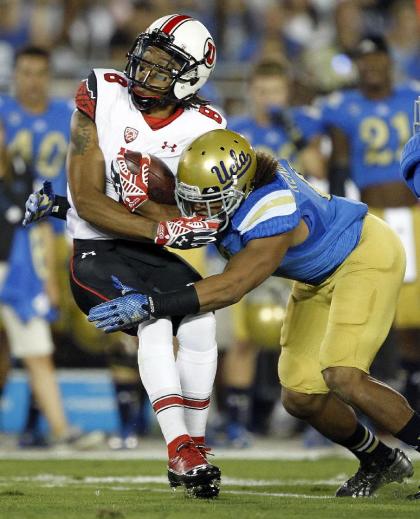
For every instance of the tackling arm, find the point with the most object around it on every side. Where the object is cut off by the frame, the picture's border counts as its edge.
(244, 271)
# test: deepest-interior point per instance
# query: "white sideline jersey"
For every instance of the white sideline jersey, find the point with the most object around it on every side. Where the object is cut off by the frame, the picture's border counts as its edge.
(105, 99)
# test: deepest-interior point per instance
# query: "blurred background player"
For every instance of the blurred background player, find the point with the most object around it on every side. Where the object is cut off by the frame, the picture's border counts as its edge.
(368, 127)
(36, 135)
(274, 125)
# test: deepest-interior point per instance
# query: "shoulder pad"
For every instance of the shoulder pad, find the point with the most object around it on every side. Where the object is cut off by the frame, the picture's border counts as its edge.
(274, 204)
(87, 95)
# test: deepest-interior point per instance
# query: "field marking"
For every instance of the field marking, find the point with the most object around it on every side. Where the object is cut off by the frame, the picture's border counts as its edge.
(152, 452)
(161, 454)
(54, 480)
(51, 481)
(236, 492)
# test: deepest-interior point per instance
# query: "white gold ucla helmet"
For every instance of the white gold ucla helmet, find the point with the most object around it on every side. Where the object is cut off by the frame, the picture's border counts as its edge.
(185, 39)
(217, 171)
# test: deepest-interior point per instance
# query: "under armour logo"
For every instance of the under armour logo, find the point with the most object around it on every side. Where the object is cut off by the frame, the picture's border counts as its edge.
(91, 253)
(171, 147)
(181, 240)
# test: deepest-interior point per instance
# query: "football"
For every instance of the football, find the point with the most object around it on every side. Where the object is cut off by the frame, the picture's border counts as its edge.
(161, 180)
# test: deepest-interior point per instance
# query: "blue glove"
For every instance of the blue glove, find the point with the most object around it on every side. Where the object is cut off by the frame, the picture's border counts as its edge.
(410, 159)
(39, 204)
(127, 311)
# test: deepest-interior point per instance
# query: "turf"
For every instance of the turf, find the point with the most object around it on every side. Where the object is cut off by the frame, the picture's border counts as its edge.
(74, 489)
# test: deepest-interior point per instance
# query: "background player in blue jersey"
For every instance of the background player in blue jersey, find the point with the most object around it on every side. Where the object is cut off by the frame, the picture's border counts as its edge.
(369, 126)
(348, 266)
(273, 126)
(35, 131)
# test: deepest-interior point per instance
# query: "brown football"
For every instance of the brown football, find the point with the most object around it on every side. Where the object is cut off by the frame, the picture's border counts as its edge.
(161, 180)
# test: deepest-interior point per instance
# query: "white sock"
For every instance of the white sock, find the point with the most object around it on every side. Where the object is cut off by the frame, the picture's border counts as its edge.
(197, 363)
(159, 375)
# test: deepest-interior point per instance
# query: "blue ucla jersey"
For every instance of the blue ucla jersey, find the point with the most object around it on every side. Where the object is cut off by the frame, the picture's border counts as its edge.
(334, 223)
(274, 138)
(376, 130)
(40, 139)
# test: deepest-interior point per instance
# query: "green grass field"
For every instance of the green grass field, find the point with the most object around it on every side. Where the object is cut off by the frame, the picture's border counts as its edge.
(83, 489)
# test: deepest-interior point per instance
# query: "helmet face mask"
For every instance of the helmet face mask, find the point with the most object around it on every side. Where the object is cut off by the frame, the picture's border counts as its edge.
(190, 56)
(215, 174)
(217, 205)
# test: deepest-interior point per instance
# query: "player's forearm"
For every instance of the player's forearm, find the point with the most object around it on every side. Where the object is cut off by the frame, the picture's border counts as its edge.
(108, 215)
(158, 212)
(220, 291)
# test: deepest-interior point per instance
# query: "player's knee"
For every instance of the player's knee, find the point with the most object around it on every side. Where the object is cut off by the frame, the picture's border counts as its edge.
(343, 381)
(198, 332)
(300, 405)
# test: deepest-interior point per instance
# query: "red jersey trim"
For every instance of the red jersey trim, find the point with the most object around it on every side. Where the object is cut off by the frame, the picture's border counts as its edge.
(156, 123)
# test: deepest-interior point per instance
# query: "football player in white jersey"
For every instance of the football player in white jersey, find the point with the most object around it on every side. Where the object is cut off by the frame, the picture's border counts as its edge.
(152, 108)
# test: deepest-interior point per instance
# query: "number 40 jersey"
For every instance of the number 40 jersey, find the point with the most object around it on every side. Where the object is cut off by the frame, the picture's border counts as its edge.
(40, 139)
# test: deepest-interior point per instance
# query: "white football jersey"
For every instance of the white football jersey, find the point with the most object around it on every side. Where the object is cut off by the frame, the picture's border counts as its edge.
(104, 98)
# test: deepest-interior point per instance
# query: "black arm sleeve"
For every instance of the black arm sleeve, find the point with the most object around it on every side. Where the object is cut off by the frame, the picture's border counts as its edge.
(180, 302)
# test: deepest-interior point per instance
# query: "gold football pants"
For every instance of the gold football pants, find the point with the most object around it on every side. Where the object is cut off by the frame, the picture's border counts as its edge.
(344, 320)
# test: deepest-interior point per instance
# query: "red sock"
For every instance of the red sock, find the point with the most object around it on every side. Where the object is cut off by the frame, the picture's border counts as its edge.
(172, 446)
(199, 440)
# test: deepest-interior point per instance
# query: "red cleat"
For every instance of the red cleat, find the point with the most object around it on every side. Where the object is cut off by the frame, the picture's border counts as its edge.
(189, 468)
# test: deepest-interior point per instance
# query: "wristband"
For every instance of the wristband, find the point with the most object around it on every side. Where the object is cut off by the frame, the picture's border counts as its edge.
(180, 302)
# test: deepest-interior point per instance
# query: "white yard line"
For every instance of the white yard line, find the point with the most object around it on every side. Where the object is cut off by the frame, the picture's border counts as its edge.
(54, 480)
(155, 453)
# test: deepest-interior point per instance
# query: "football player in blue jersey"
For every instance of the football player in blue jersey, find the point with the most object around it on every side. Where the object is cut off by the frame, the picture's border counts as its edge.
(36, 133)
(369, 126)
(348, 268)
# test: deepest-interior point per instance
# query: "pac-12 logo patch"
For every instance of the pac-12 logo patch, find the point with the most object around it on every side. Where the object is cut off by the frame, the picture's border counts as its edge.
(130, 134)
